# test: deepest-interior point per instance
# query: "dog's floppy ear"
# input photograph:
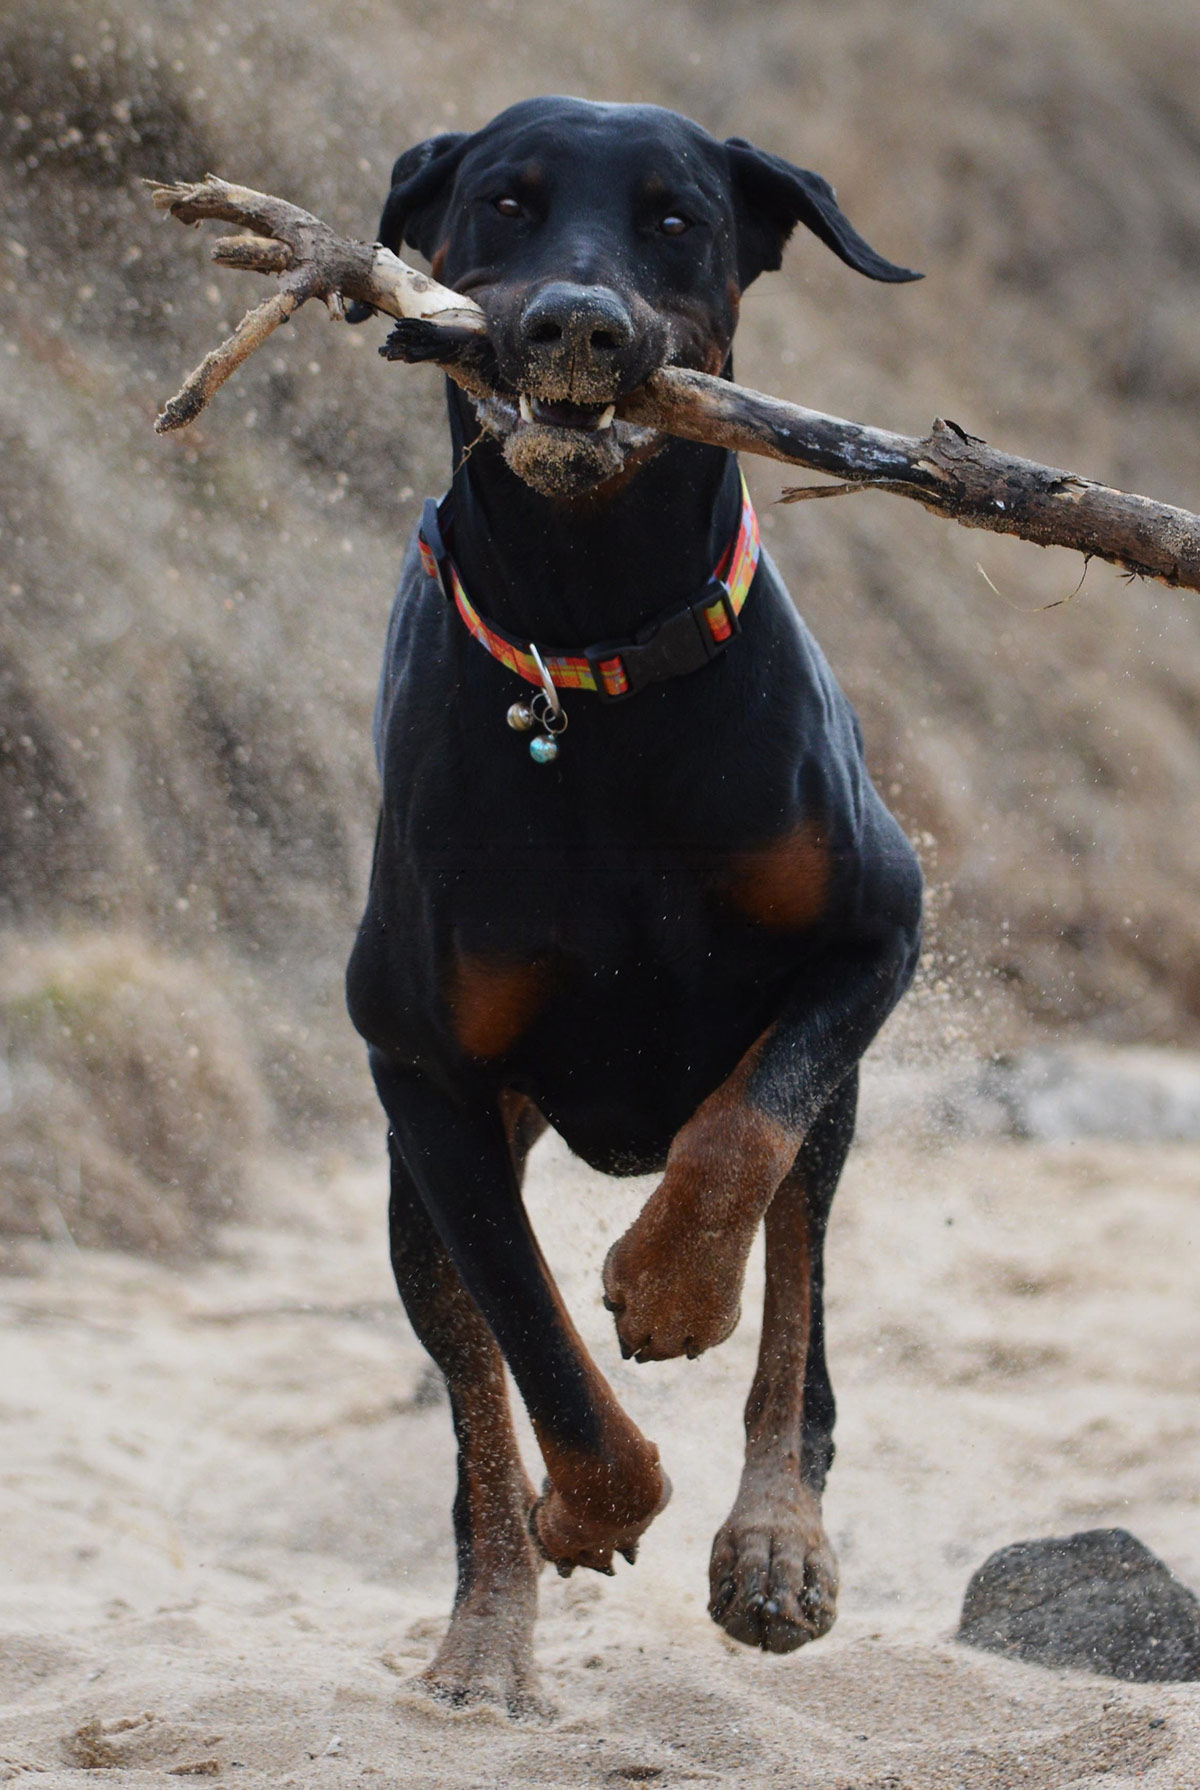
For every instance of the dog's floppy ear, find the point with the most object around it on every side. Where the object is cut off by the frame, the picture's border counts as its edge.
(415, 207)
(421, 180)
(772, 197)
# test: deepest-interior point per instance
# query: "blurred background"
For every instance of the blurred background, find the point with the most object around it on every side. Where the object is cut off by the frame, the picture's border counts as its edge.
(191, 626)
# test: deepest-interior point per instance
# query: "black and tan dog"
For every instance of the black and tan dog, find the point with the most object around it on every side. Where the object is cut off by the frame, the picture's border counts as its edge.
(670, 931)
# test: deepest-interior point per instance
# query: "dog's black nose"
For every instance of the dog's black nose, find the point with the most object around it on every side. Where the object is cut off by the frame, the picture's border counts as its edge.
(578, 323)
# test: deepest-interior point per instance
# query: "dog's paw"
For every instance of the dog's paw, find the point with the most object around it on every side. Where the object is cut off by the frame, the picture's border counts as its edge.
(486, 1656)
(673, 1294)
(569, 1535)
(773, 1576)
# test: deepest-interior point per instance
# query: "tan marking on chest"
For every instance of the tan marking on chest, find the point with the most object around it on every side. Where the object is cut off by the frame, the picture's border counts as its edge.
(785, 884)
(493, 1003)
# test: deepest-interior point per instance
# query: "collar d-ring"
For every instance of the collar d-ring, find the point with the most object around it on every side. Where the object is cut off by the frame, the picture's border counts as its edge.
(548, 684)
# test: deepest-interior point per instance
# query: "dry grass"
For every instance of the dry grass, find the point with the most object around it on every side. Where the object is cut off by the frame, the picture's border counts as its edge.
(131, 1099)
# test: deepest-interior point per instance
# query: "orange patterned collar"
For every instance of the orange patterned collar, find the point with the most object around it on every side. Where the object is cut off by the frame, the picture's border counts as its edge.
(670, 645)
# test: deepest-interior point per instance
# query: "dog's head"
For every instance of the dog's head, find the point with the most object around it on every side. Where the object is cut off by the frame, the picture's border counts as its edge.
(602, 241)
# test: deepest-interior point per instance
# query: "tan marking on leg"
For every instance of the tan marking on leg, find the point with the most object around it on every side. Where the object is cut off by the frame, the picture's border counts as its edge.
(486, 1654)
(674, 1280)
(596, 1505)
(597, 1502)
(439, 260)
(775, 1405)
(493, 1003)
(785, 884)
(773, 1575)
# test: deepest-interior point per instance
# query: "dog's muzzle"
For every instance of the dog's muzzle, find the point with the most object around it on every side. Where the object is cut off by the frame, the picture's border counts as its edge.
(576, 347)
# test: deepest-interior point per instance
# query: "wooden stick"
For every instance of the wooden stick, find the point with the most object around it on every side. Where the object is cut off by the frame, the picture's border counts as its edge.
(314, 262)
(216, 367)
(949, 471)
(953, 473)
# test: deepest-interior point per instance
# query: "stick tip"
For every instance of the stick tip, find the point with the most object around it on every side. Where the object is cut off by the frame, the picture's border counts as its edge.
(178, 412)
(173, 195)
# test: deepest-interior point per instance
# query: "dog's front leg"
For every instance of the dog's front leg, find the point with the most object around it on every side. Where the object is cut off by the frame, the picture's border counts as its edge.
(674, 1280)
(605, 1484)
(487, 1653)
(770, 1142)
(773, 1575)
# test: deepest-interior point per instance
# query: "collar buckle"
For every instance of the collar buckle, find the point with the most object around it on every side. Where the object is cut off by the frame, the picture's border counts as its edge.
(679, 643)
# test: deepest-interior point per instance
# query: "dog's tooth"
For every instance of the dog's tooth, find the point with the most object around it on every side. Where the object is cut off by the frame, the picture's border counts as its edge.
(606, 417)
(526, 409)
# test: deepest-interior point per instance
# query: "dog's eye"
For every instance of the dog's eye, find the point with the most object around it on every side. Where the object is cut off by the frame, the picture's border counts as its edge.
(508, 207)
(673, 224)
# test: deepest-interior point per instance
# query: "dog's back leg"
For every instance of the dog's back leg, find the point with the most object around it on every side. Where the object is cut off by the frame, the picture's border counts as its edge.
(605, 1482)
(773, 1576)
(487, 1653)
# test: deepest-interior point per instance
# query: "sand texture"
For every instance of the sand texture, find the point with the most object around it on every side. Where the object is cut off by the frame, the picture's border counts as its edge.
(225, 1492)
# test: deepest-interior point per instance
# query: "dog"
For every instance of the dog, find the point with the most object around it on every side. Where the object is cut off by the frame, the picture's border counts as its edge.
(631, 877)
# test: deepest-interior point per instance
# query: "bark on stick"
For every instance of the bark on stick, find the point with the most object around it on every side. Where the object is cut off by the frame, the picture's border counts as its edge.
(951, 472)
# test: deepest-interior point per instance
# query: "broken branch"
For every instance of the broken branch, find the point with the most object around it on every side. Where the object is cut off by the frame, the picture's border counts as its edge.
(314, 263)
(950, 472)
(954, 474)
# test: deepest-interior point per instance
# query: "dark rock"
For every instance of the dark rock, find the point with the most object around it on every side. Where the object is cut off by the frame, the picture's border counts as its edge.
(1099, 1600)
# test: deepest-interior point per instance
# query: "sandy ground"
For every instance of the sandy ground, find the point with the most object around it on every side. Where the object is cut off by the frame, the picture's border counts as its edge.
(224, 1497)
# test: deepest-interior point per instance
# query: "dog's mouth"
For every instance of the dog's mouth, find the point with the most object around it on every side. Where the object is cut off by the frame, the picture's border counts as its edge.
(591, 419)
(559, 448)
